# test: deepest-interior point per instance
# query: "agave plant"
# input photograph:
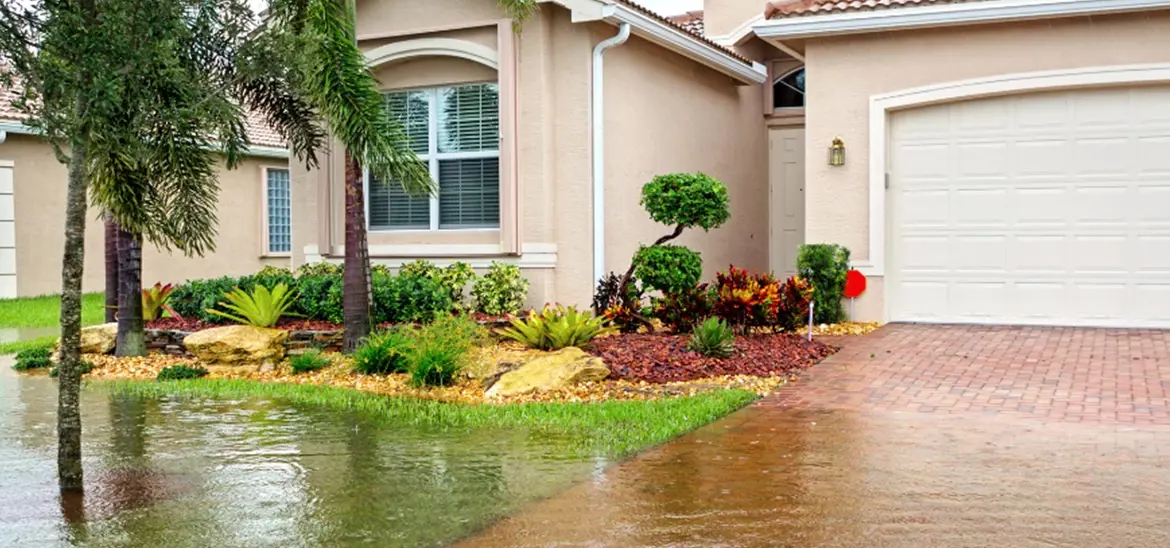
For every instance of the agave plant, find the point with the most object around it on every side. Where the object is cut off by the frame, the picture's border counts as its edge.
(154, 301)
(556, 328)
(261, 308)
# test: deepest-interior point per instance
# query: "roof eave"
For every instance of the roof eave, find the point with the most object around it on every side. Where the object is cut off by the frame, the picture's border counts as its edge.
(686, 45)
(912, 17)
(261, 151)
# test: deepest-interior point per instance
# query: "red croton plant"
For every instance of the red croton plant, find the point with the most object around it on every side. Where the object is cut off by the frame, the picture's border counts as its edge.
(757, 299)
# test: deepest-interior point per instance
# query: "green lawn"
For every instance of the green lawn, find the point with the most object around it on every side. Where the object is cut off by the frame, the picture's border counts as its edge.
(44, 312)
(615, 429)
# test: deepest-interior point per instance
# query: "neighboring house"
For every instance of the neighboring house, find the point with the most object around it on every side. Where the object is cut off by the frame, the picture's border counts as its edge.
(1006, 161)
(254, 216)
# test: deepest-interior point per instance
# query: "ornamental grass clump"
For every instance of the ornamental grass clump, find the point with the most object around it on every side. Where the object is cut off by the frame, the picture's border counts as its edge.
(308, 361)
(554, 328)
(33, 358)
(713, 338)
(439, 351)
(383, 352)
(180, 372)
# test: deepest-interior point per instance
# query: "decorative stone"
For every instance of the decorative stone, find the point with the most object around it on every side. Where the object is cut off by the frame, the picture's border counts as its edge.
(554, 370)
(238, 346)
(99, 339)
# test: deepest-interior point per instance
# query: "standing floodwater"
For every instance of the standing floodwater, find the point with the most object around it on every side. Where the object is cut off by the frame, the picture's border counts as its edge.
(212, 473)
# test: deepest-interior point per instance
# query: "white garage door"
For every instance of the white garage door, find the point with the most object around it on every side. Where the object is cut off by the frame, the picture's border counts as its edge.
(1047, 208)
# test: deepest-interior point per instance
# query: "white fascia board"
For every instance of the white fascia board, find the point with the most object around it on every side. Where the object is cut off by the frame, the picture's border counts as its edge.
(12, 126)
(988, 11)
(685, 44)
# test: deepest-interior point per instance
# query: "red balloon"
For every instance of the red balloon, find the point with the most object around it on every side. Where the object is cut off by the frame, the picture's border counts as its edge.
(854, 284)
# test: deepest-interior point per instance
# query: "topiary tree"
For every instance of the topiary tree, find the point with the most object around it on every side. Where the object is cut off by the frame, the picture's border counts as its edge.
(681, 200)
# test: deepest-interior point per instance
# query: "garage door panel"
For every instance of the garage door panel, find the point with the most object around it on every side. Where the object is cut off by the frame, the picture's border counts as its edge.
(1048, 208)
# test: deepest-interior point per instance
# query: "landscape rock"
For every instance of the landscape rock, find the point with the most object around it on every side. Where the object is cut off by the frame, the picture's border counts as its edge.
(550, 371)
(98, 339)
(238, 346)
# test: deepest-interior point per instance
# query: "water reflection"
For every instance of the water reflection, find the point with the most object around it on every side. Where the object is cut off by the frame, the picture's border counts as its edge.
(259, 473)
(763, 478)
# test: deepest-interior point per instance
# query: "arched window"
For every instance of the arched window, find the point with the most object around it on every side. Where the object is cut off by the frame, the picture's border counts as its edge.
(788, 90)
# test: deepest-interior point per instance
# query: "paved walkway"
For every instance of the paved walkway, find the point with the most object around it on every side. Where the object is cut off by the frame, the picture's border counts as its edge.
(1055, 374)
(914, 436)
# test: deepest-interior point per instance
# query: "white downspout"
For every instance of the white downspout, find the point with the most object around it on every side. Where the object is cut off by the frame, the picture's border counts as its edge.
(599, 150)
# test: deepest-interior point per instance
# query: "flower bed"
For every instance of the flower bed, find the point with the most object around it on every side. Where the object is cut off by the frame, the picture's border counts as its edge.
(660, 358)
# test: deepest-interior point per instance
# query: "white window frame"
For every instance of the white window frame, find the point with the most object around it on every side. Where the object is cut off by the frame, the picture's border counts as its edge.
(265, 221)
(432, 157)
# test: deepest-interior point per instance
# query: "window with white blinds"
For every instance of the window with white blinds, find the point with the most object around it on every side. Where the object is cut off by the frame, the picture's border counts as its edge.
(456, 131)
(278, 200)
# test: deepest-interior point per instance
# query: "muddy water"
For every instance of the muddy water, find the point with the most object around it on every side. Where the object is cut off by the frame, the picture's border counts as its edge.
(769, 477)
(254, 473)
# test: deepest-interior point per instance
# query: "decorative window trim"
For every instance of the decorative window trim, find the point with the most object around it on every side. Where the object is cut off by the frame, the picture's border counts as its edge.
(883, 105)
(780, 80)
(265, 251)
(433, 157)
(429, 47)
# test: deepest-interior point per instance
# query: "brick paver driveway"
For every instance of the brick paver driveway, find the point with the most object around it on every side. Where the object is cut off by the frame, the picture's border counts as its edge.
(914, 436)
(1050, 373)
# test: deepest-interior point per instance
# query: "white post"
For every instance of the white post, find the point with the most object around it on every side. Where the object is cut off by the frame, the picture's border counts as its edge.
(811, 304)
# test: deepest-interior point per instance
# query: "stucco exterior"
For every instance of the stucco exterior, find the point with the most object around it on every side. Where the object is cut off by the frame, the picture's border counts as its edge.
(715, 127)
(845, 72)
(39, 194)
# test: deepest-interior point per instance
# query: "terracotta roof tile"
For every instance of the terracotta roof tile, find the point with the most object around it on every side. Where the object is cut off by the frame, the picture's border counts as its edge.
(796, 8)
(259, 132)
(691, 21)
(698, 36)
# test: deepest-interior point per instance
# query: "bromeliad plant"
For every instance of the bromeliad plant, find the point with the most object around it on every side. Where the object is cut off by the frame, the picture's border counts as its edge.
(713, 338)
(556, 328)
(154, 301)
(261, 308)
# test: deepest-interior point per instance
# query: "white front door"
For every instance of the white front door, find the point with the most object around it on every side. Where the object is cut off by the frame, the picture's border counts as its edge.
(1045, 208)
(786, 198)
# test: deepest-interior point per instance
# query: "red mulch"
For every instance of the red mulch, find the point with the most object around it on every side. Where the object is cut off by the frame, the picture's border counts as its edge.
(194, 324)
(662, 358)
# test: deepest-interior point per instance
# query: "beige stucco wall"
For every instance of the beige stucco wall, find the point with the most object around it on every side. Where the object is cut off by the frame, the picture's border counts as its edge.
(844, 72)
(711, 125)
(666, 114)
(720, 17)
(39, 184)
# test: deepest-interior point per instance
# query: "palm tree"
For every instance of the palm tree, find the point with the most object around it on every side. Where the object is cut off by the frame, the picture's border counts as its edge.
(345, 93)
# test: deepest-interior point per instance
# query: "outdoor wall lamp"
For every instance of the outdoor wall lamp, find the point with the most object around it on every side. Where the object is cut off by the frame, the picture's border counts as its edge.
(837, 152)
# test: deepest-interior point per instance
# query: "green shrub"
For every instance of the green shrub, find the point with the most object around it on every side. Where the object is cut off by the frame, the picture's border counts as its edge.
(556, 328)
(383, 352)
(320, 268)
(501, 291)
(687, 199)
(319, 297)
(439, 351)
(308, 361)
(260, 308)
(618, 309)
(180, 372)
(668, 268)
(682, 310)
(714, 337)
(84, 366)
(33, 358)
(407, 299)
(453, 278)
(194, 298)
(825, 266)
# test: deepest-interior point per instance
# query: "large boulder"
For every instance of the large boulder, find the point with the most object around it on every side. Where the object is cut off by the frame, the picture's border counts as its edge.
(98, 339)
(552, 371)
(236, 346)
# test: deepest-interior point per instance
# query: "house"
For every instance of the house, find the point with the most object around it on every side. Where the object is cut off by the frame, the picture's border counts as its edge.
(254, 216)
(1005, 161)
(999, 161)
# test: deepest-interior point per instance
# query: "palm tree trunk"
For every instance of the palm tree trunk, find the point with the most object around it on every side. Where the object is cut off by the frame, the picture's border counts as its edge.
(69, 374)
(131, 337)
(111, 269)
(356, 291)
